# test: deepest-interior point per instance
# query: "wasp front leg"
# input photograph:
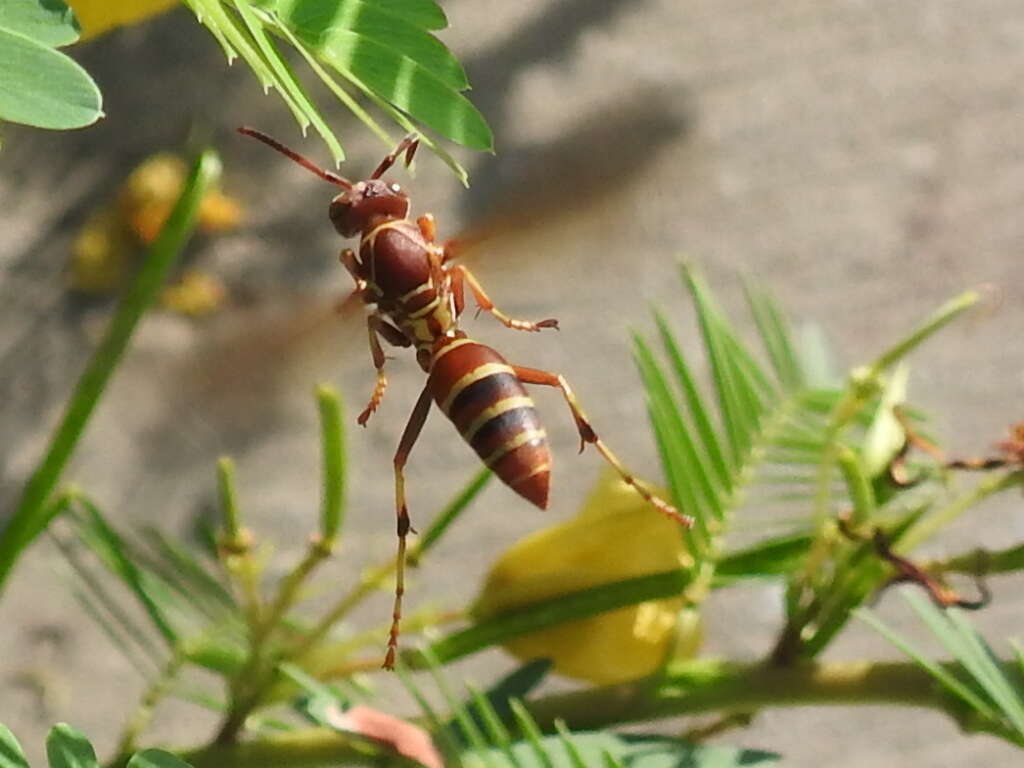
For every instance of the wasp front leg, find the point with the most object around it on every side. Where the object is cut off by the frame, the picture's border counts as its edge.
(588, 435)
(461, 274)
(377, 327)
(350, 261)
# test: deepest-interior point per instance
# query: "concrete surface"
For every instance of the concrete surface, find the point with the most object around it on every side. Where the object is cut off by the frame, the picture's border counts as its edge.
(866, 159)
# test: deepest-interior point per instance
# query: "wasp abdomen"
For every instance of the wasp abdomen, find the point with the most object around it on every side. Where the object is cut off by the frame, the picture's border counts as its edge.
(489, 406)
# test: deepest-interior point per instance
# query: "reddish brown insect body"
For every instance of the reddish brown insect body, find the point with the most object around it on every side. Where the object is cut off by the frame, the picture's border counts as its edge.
(415, 296)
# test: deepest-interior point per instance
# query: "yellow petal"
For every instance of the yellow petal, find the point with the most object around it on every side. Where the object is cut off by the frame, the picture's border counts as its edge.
(98, 16)
(101, 253)
(196, 294)
(615, 536)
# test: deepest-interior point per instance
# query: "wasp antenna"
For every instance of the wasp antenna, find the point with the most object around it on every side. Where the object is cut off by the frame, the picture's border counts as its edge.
(407, 145)
(305, 162)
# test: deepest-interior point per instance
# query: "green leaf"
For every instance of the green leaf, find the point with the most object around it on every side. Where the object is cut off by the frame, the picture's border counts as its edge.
(49, 22)
(687, 470)
(449, 514)
(68, 748)
(769, 558)
(109, 546)
(409, 86)
(937, 671)
(559, 609)
(11, 755)
(422, 13)
(490, 720)
(467, 727)
(634, 750)
(156, 758)
(311, 20)
(32, 515)
(42, 87)
(575, 756)
(699, 412)
(284, 79)
(425, 14)
(776, 335)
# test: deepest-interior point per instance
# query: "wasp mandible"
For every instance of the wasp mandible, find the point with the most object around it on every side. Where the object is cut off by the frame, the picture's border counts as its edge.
(414, 295)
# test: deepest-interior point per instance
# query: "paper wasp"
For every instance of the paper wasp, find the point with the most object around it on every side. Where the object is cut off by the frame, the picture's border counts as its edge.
(415, 295)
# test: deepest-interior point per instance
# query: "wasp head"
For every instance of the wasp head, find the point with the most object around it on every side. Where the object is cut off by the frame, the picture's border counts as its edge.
(354, 209)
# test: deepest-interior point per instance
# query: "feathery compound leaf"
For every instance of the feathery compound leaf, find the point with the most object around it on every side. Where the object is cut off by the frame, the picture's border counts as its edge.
(775, 334)
(285, 81)
(407, 85)
(633, 750)
(311, 20)
(686, 466)
(384, 48)
(936, 670)
(699, 411)
(736, 419)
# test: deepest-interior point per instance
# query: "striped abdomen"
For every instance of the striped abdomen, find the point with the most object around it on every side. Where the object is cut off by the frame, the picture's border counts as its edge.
(481, 394)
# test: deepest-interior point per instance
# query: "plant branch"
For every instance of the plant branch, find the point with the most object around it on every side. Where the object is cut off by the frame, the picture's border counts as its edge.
(711, 686)
(690, 688)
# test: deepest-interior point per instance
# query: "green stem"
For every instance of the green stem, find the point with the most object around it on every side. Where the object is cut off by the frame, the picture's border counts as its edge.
(30, 518)
(236, 544)
(692, 688)
(935, 322)
(142, 717)
(713, 686)
(861, 494)
(981, 562)
(308, 748)
(865, 382)
(929, 524)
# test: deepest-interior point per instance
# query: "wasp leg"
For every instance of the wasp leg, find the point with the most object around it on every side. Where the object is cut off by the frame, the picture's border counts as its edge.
(412, 431)
(349, 260)
(428, 227)
(459, 273)
(588, 435)
(375, 325)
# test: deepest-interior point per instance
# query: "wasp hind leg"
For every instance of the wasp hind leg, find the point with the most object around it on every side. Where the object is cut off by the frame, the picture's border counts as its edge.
(588, 435)
(409, 436)
(461, 274)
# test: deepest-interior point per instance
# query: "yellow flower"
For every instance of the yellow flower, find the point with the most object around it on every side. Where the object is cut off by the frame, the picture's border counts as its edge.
(98, 16)
(615, 536)
(197, 293)
(106, 248)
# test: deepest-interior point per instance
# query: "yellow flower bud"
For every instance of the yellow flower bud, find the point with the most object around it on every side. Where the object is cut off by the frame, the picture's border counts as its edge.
(615, 536)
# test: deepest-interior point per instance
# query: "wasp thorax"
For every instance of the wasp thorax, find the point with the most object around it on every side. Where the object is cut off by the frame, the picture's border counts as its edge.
(353, 210)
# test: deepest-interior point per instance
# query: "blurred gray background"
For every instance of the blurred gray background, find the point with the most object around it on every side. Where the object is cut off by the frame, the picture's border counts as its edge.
(865, 159)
